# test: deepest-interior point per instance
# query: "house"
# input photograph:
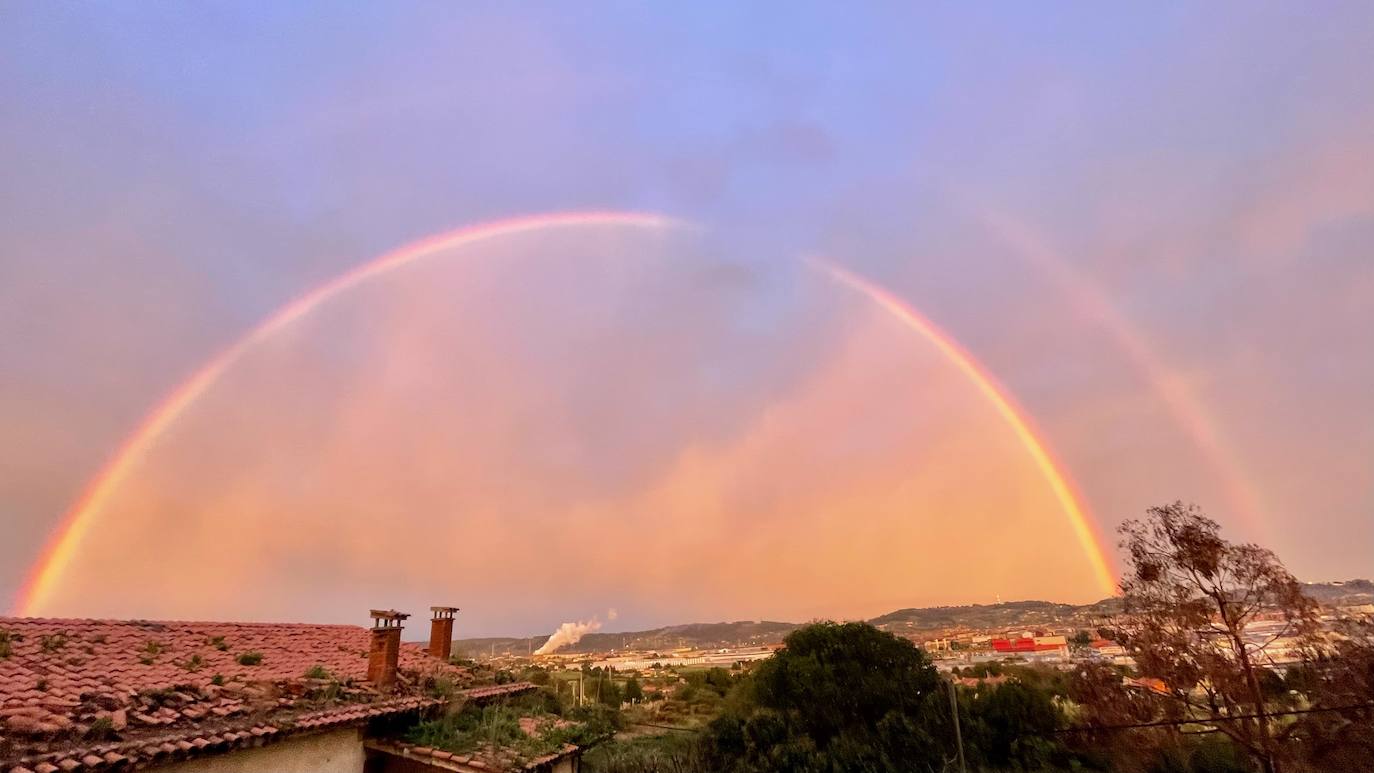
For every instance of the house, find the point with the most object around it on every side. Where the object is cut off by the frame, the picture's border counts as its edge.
(1025, 644)
(82, 695)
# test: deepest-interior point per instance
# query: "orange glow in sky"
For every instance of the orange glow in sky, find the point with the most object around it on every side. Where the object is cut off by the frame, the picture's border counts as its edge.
(876, 469)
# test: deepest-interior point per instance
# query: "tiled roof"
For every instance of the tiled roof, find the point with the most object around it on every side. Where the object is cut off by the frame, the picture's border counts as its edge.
(209, 738)
(91, 688)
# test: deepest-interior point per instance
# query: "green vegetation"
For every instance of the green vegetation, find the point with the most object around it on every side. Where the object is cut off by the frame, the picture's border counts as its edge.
(316, 671)
(151, 649)
(250, 658)
(52, 643)
(666, 752)
(101, 729)
(851, 697)
(217, 680)
(498, 725)
(218, 643)
(7, 641)
(442, 687)
(193, 663)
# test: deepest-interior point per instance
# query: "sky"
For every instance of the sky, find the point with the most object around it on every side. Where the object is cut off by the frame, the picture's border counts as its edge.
(1150, 229)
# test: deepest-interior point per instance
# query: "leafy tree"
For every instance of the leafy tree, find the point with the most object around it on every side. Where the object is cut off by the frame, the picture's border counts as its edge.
(606, 691)
(836, 697)
(1188, 596)
(1012, 726)
(830, 677)
(719, 680)
(633, 692)
(1338, 678)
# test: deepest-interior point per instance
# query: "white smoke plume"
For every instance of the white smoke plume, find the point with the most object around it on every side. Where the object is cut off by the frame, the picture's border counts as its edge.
(611, 614)
(567, 634)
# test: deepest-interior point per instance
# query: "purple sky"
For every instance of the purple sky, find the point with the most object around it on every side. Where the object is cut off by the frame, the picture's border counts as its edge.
(1114, 210)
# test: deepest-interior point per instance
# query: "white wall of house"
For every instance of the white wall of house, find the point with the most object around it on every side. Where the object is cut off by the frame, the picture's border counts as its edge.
(340, 751)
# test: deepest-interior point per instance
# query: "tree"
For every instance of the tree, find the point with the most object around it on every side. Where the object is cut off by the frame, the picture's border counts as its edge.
(606, 692)
(1081, 640)
(633, 692)
(831, 677)
(1188, 596)
(836, 697)
(1012, 726)
(1338, 679)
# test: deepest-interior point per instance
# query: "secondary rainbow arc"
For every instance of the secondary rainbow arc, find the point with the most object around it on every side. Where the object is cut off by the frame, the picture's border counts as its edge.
(54, 560)
(1187, 408)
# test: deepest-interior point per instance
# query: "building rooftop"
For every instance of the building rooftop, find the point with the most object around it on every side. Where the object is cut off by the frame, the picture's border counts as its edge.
(92, 694)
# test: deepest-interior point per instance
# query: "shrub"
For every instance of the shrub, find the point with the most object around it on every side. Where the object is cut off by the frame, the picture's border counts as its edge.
(250, 658)
(54, 642)
(6, 639)
(442, 687)
(101, 730)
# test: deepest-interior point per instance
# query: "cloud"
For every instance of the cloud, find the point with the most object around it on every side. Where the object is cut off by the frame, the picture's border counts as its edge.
(634, 440)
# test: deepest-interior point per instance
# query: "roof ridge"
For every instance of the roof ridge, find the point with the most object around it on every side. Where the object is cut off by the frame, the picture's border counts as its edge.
(149, 621)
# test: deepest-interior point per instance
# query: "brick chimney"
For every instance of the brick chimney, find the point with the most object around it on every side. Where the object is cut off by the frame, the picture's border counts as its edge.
(441, 632)
(385, 651)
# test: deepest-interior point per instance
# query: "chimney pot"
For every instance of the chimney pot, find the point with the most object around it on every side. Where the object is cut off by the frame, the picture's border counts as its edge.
(441, 632)
(384, 652)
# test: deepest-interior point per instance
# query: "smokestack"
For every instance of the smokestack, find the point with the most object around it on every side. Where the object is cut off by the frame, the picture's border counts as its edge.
(441, 632)
(385, 651)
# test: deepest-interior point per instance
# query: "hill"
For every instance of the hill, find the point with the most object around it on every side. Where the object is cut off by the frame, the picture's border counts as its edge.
(913, 621)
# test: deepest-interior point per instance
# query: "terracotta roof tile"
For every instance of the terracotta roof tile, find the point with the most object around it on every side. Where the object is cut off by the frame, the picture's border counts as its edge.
(63, 677)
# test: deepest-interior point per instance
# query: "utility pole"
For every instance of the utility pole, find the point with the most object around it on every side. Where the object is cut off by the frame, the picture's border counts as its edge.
(954, 711)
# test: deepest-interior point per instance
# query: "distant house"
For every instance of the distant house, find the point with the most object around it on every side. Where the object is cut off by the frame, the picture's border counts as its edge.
(1027, 644)
(102, 695)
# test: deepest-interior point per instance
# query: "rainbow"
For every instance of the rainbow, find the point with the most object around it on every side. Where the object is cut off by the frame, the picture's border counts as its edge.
(74, 525)
(58, 554)
(1172, 391)
(1001, 400)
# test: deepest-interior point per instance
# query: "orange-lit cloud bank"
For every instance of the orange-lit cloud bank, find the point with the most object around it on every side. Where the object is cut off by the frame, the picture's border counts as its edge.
(582, 409)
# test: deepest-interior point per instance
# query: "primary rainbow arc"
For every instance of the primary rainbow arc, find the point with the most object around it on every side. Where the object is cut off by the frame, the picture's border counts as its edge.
(62, 547)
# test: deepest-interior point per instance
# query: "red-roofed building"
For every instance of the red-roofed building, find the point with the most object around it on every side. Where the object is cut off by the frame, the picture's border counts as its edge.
(94, 695)
(1026, 644)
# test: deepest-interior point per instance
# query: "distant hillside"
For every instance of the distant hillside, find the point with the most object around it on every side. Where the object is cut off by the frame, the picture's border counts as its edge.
(694, 635)
(912, 621)
(1347, 593)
